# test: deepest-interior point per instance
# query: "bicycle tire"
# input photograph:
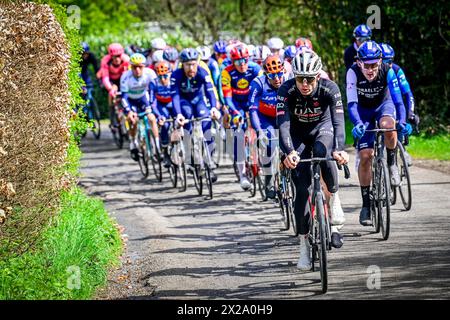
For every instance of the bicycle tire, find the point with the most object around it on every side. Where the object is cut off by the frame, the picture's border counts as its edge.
(404, 189)
(236, 171)
(96, 129)
(173, 174)
(281, 201)
(383, 201)
(322, 246)
(182, 177)
(155, 157)
(208, 181)
(261, 187)
(291, 206)
(143, 156)
(198, 181)
(251, 177)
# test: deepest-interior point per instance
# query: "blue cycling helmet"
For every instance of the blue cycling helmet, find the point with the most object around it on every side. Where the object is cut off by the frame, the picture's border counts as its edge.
(85, 46)
(170, 54)
(188, 54)
(388, 52)
(290, 52)
(220, 46)
(362, 31)
(369, 52)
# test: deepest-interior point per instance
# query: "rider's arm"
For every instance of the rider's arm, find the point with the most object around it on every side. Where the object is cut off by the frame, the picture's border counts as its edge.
(406, 90)
(227, 92)
(209, 89)
(284, 121)
(175, 92)
(105, 73)
(124, 92)
(396, 96)
(253, 103)
(352, 98)
(152, 97)
(337, 117)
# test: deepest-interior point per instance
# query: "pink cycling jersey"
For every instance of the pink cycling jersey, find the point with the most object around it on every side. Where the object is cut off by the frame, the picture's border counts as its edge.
(112, 72)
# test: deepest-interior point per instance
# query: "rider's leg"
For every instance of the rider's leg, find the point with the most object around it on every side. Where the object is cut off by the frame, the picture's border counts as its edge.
(112, 114)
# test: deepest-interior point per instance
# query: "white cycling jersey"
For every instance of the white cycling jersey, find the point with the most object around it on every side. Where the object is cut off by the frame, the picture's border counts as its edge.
(136, 87)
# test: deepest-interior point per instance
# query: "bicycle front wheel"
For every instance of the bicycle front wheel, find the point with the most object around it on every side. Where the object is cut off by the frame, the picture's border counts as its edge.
(155, 157)
(281, 201)
(208, 181)
(383, 201)
(405, 181)
(96, 131)
(143, 156)
(290, 205)
(322, 245)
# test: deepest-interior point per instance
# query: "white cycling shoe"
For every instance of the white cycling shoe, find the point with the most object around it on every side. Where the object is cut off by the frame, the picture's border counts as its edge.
(245, 183)
(304, 261)
(337, 214)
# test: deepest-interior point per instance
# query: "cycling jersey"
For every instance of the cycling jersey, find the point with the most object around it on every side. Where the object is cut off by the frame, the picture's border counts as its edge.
(235, 86)
(262, 101)
(160, 93)
(110, 72)
(90, 60)
(350, 55)
(297, 114)
(215, 71)
(370, 95)
(191, 89)
(134, 89)
(404, 88)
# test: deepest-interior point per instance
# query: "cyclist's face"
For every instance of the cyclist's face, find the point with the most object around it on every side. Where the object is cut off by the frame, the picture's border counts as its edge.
(276, 79)
(241, 65)
(370, 70)
(116, 60)
(190, 68)
(306, 85)
(165, 79)
(138, 70)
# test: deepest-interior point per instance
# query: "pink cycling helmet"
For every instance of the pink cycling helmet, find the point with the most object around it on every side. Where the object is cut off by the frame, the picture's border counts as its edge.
(115, 49)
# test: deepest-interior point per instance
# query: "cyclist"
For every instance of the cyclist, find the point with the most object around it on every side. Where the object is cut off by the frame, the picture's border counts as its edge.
(113, 65)
(302, 41)
(261, 53)
(289, 53)
(323, 74)
(361, 33)
(388, 57)
(88, 58)
(161, 101)
(373, 94)
(236, 79)
(134, 85)
(188, 86)
(276, 46)
(220, 51)
(262, 108)
(171, 54)
(310, 117)
(213, 66)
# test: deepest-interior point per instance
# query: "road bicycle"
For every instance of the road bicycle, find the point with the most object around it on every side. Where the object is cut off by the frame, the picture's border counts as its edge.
(119, 128)
(90, 108)
(147, 148)
(177, 153)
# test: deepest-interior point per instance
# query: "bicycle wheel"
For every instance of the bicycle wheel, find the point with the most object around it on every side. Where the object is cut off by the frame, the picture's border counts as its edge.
(281, 200)
(383, 198)
(405, 182)
(261, 186)
(173, 174)
(236, 170)
(217, 152)
(155, 157)
(117, 134)
(322, 245)
(208, 181)
(96, 130)
(198, 181)
(182, 177)
(291, 205)
(143, 156)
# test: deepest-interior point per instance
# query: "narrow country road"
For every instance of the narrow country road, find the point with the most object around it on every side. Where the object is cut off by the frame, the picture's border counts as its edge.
(181, 246)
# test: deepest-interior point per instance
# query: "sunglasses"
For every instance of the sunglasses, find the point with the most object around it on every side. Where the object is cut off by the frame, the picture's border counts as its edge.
(369, 66)
(241, 61)
(389, 61)
(163, 76)
(309, 80)
(137, 67)
(362, 39)
(272, 76)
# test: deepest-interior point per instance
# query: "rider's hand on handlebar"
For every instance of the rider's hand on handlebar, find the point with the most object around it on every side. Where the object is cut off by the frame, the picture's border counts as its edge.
(358, 131)
(132, 117)
(215, 114)
(112, 92)
(291, 160)
(180, 120)
(341, 157)
(161, 121)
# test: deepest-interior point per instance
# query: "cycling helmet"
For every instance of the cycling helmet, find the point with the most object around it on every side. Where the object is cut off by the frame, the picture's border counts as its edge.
(362, 31)
(272, 64)
(306, 64)
(369, 52)
(220, 46)
(188, 55)
(275, 43)
(157, 56)
(204, 52)
(115, 49)
(170, 54)
(238, 52)
(137, 59)
(300, 42)
(251, 51)
(387, 51)
(158, 44)
(85, 47)
(262, 52)
(162, 68)
(290, 52)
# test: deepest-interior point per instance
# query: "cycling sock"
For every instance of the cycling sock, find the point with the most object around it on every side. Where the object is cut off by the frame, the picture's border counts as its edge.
(390, 156)
(365, 192)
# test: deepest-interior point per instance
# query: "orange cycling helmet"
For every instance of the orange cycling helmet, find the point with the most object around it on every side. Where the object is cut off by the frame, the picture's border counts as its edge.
(303, 42)
(272, 64)
(162, 68)
(239, 52)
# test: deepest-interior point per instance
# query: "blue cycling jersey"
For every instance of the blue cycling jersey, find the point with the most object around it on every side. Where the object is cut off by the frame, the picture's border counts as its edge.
(181, 87)
(262, 101)
(215, 71)
(404, 88)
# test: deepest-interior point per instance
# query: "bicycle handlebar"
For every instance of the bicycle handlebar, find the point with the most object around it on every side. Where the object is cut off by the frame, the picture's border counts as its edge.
(316, 159)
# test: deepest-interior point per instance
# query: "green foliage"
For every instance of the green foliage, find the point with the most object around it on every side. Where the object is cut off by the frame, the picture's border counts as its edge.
(435, 147)
(82, 237)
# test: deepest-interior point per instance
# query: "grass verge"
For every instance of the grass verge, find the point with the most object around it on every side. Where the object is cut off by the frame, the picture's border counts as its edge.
(72, 258)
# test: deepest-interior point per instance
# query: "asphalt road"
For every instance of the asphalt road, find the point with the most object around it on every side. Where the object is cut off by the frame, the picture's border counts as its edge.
(182, 246)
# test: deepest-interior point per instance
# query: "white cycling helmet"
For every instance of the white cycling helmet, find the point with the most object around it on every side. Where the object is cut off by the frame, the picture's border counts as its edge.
(261, 52)
(275, 44)
(204, 52)
(251, 51)
(157, 56)
(158, 44)
(306, 63)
